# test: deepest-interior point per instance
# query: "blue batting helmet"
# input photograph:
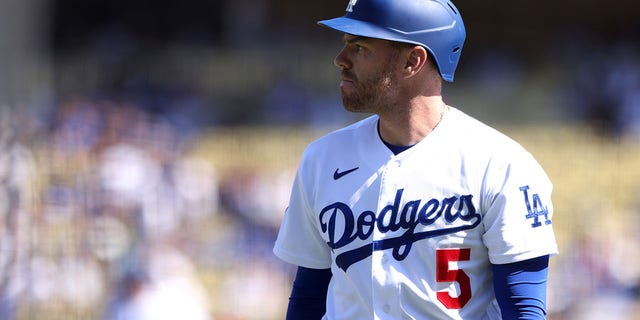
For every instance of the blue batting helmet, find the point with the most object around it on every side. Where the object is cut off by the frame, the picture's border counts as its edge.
(434, 24)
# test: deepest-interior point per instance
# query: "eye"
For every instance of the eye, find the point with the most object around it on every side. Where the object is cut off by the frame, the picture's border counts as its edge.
(357, 47)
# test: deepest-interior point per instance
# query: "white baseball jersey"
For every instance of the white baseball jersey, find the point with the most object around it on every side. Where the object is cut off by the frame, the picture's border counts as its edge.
(413, 235)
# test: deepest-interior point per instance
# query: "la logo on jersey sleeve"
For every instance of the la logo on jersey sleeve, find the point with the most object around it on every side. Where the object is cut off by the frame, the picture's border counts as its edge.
(535, 208)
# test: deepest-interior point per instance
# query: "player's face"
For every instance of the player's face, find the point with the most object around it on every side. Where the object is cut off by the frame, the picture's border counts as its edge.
(368, 82)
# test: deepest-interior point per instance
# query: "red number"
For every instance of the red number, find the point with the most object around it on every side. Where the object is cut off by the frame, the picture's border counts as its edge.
(445, 274)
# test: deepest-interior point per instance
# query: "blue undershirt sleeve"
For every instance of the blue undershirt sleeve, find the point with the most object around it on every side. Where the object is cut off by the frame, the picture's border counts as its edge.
(309, 294)
(521, 288)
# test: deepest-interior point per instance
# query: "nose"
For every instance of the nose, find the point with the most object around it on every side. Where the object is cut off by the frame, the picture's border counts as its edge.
(341, 60)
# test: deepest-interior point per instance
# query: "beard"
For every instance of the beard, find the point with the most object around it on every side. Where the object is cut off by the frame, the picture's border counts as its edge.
(370, 95)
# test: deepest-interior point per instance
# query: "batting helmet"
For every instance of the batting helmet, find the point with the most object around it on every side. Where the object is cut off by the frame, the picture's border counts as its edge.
(434, 24)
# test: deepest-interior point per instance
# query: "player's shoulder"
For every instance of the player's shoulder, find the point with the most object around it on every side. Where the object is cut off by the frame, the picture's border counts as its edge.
(473, 132)
(344, 139)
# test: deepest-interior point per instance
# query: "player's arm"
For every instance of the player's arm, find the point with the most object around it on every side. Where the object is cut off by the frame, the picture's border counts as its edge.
(309, 294)
(521, 288)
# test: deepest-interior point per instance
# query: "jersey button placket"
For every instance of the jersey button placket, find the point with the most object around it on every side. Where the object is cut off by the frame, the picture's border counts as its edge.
(383, 282)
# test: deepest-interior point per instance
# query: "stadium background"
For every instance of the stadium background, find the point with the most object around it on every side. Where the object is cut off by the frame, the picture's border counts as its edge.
(147, 147)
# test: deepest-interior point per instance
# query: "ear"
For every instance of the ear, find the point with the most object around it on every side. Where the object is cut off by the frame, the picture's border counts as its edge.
(416, 60)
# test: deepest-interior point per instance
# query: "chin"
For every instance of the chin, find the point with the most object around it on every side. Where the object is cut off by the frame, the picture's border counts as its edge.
(354, 108)
(348, 104)
(354, 105)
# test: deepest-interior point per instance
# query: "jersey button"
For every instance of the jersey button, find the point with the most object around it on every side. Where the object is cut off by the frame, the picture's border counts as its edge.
(386, 308)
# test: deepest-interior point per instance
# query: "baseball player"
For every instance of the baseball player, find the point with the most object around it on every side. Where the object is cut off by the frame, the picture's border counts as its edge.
(418, 211)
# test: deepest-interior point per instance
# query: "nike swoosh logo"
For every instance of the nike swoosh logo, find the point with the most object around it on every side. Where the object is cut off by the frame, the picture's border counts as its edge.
(337, 175)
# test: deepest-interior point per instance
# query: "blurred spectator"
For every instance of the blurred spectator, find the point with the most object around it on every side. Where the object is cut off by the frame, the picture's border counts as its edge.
(165, 287)
(18, 205)
(596, 278)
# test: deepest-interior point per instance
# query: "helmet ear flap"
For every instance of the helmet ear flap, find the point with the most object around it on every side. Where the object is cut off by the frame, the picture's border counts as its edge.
(435, 25)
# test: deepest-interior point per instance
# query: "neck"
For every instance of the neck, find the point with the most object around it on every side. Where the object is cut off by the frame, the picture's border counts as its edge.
(405, 126)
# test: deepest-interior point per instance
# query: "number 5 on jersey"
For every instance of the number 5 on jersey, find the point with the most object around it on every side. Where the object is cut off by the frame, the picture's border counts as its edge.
(444, 273)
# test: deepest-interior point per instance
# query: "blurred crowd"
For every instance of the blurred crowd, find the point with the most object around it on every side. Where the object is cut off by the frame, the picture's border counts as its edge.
(107, 214)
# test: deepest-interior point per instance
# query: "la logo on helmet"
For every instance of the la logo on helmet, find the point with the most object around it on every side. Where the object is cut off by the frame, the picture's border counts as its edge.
(352, 3)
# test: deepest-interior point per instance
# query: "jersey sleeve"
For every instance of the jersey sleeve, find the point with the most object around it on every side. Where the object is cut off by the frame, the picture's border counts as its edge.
(519, 211)
(299, 241)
